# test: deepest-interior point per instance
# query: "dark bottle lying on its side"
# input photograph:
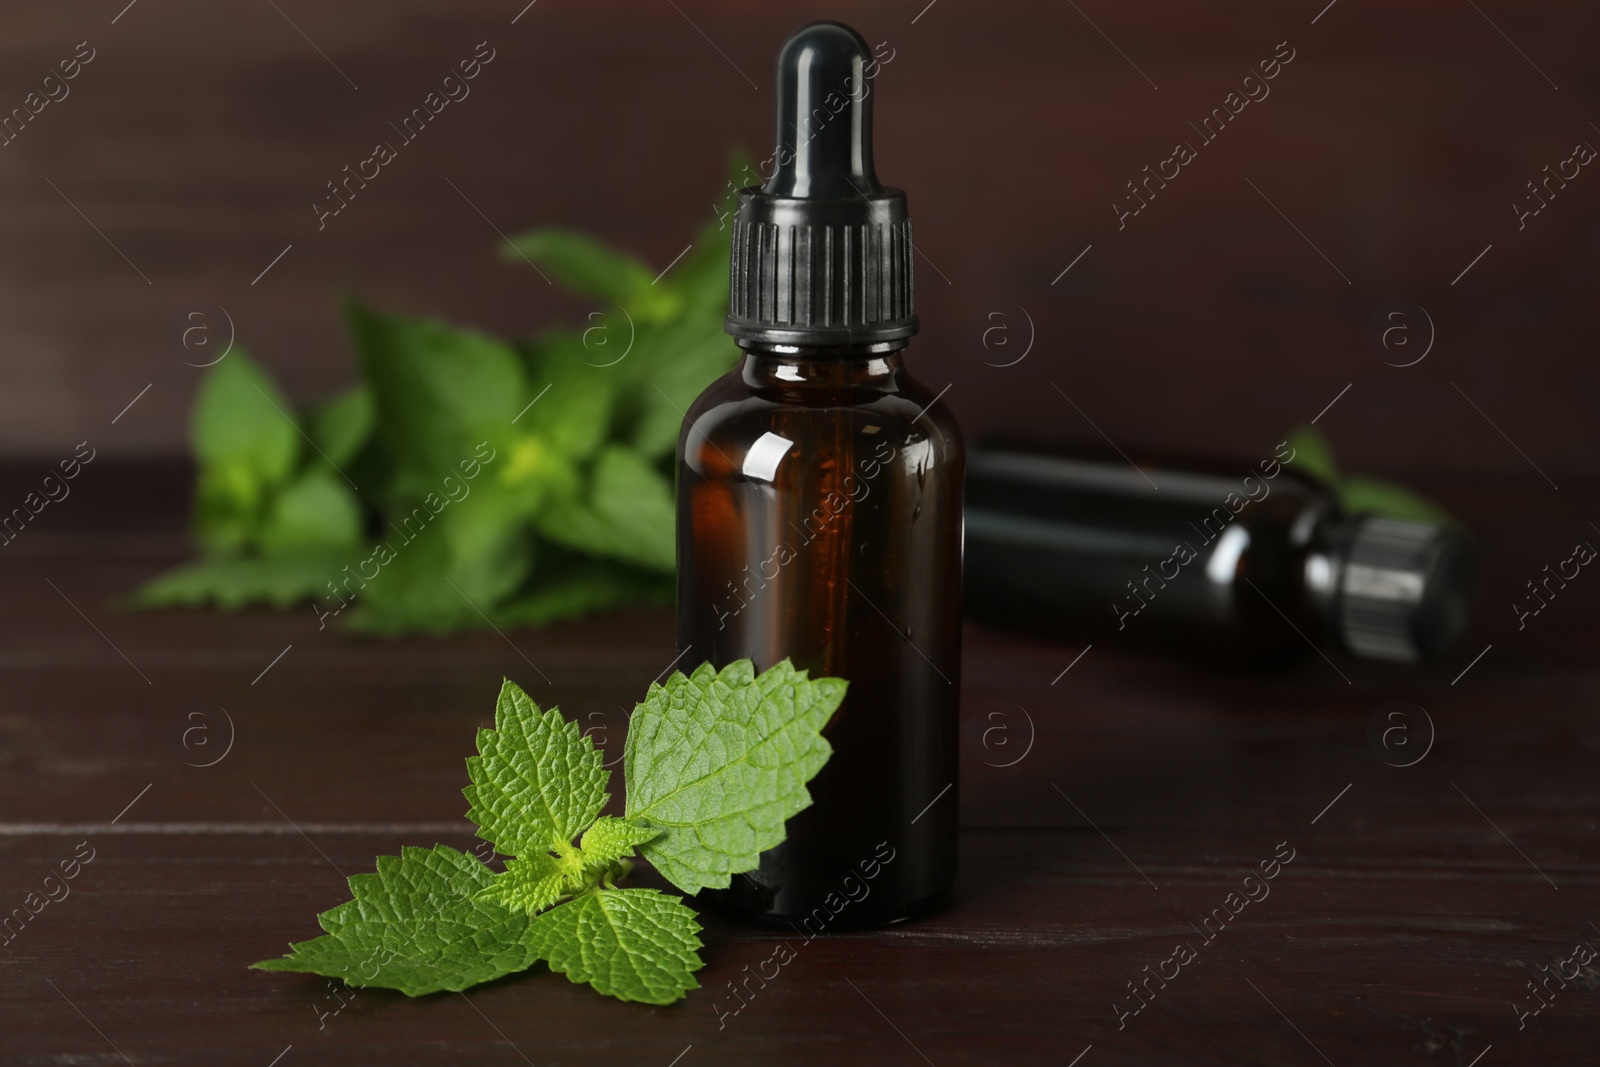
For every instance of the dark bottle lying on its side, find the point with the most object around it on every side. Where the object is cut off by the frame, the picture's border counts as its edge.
(1226, 562)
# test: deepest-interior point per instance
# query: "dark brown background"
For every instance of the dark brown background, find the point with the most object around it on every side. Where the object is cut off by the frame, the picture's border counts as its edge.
(1397, 141)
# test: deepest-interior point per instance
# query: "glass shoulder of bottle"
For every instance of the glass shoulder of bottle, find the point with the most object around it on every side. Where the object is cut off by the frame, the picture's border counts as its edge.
(875, 408)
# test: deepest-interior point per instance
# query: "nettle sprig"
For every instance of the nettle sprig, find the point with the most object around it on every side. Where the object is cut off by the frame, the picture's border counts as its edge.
(716, 762)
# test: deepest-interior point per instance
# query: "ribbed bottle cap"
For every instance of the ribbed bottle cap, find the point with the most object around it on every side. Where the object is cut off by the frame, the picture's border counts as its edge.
(1403, 590)
(822, 253)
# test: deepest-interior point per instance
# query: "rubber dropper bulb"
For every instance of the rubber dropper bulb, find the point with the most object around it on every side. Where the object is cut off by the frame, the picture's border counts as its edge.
(824, 137)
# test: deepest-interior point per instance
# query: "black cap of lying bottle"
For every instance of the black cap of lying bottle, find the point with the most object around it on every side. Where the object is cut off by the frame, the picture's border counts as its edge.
(1403, 589)
(821, 254)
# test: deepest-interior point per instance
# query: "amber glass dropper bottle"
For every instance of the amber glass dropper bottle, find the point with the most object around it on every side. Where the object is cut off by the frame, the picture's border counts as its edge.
(819, 509)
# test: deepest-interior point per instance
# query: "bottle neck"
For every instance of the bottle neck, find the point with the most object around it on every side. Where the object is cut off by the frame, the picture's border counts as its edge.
(832, 365)
(834, 352)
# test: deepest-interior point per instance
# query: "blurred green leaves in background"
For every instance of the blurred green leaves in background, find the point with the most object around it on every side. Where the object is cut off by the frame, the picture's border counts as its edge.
(468, 479)
(1358, 494)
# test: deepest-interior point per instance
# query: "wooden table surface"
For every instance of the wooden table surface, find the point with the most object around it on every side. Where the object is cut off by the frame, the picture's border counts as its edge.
(1418, 905)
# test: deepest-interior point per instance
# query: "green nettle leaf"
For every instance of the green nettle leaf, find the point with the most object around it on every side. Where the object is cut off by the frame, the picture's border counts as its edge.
(1313, 454)
(438, 391)
(414, 926)
(537, 881)
(528, 885)
(632, 944)
(1389, 499)
(1358, 495)
(720, 760)
(489, 548)
(315, 512)
(241, 420)
(231, 584)
(573, 515)
(589, 266)
(246, 446)
(702, 275)
(230, 502)
(629, 492)
(672, 363)
(536, 781)
(409, 593)
(611, 839)
(342, 426)
(575, 387)
(568, 589)
(629, 514)
(674, 360)
(427, 588)
(716, 763)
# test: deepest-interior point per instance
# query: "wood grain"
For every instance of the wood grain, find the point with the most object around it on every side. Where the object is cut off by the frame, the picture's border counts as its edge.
(1402, 931)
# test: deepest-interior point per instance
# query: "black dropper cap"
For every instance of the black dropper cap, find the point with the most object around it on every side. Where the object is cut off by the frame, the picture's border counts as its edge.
(1403, 588)
(822, 253)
